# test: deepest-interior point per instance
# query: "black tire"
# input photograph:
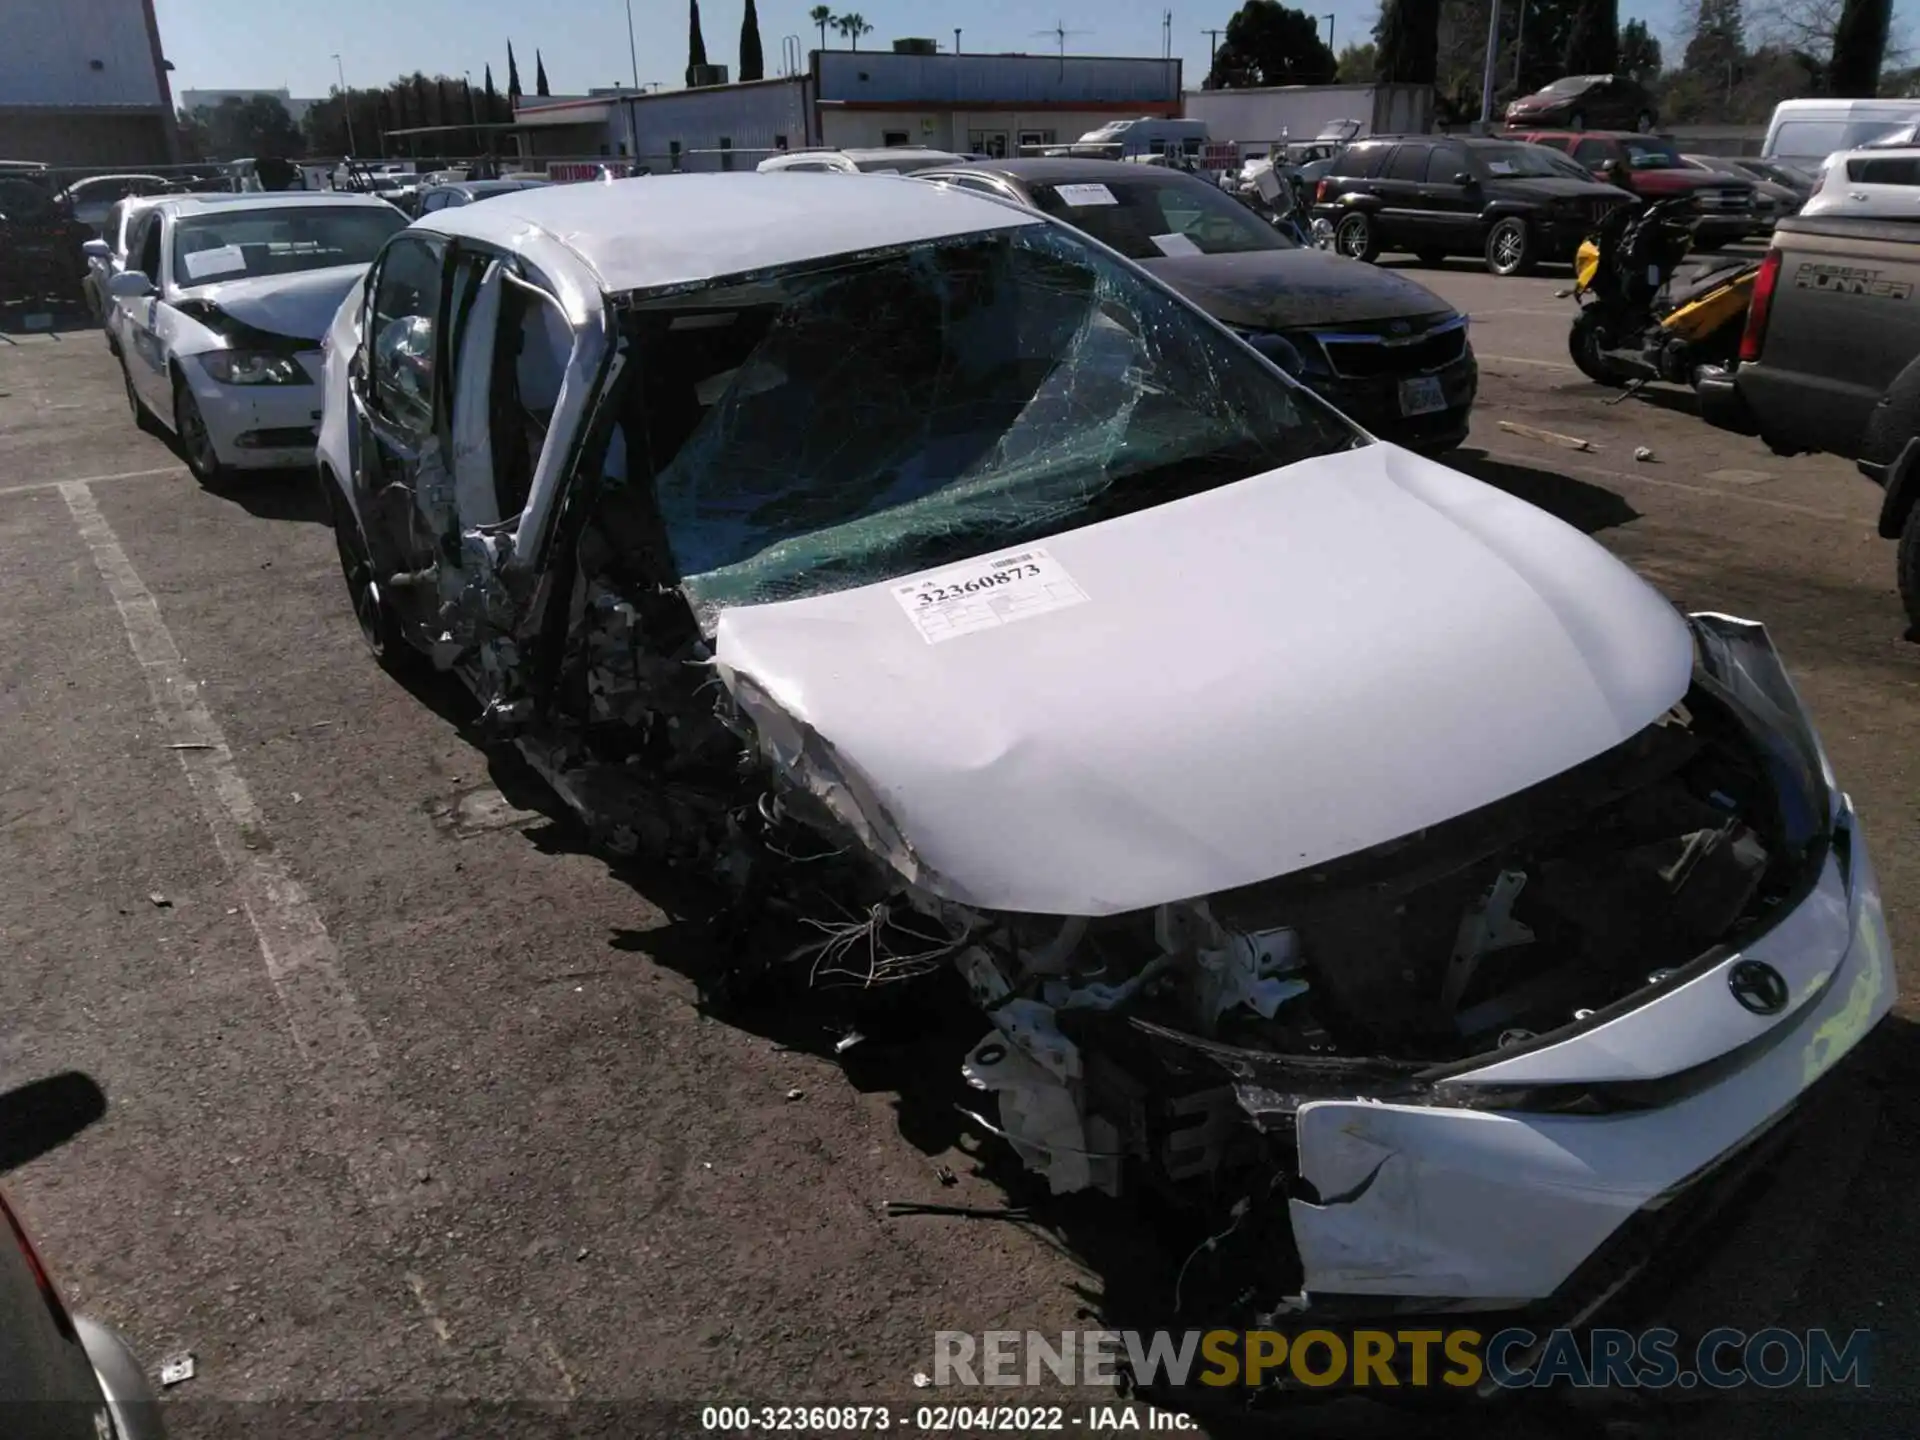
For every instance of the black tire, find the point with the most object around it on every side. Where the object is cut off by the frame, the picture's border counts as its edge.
(1431, 256)
(380, 627)
(1510, 249)
(1907, 567)
(1353, 237)
(196, 445)
(142, 417)
(1583, 346)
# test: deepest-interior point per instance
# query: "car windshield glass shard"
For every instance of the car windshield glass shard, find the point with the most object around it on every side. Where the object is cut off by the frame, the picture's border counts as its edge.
(1130, 215)
(242, 244)
(1527, 160)
(834, 428)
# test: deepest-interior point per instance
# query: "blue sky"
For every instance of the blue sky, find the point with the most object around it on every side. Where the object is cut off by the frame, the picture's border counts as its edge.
(268, 44)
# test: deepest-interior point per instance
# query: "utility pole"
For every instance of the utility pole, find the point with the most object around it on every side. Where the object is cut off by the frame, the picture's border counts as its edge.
(633, 56)
(1519, 38)
(1213, 53)
(1329, 20)
(346, 103)
(1486, 77)
(956, 39)
(1166, 35)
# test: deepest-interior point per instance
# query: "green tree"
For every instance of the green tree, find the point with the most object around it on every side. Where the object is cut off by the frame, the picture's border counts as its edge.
(853, 25)
(1357, 64)
(540, 86)
(753, 65)
(492, 101)
(1407, 40)
(821, 16)
(1639, 52)
(1267, 43)
(514, 91)
(1719, 39)
(696, 42)
(1593, 46)
(1859, 48)
(236, 129)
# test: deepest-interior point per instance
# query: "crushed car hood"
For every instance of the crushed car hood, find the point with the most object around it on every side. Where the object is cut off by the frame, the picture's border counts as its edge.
(1257, 679)
(1279, 289)
(301, 305)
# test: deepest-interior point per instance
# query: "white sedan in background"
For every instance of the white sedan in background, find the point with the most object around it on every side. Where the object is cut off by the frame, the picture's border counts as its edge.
(107, 256)
(218, 315)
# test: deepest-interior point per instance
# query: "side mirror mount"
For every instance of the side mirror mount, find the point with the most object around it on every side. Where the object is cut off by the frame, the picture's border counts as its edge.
(130, 285)
(1465, 177)
(96, 250)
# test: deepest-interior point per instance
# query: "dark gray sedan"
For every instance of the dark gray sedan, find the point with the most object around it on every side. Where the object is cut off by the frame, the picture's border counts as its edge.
(1381, 347)
(465, 192)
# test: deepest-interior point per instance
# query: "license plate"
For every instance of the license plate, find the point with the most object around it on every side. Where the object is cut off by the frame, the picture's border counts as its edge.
(1422, 396)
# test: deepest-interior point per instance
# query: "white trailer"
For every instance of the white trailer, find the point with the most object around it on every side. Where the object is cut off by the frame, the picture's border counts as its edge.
(1260, 120)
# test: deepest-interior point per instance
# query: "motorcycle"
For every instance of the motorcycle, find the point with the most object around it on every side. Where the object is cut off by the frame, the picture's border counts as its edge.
(1636, 323)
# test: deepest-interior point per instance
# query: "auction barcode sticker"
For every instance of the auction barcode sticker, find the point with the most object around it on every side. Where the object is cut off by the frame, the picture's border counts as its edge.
(983, 594)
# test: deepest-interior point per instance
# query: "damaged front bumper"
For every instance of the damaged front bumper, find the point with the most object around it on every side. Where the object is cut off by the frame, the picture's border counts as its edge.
(260, 427)
(1501, 1207)
(1493, 1183)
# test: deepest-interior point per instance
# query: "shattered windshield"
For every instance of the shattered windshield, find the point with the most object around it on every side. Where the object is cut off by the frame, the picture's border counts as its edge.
(842, 426)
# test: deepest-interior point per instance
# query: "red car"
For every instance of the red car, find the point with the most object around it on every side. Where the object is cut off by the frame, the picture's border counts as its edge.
(1654, 169)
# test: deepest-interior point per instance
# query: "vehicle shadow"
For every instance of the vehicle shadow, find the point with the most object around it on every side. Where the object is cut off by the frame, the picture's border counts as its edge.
(43, 1115)
(1580, 503)
(271, 494)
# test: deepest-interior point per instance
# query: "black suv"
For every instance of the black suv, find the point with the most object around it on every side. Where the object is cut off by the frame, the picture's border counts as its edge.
(1438, 195)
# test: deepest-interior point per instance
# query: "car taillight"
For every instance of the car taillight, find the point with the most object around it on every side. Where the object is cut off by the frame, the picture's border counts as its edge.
(1758, 306)
(1320, 193)
(42, 1281)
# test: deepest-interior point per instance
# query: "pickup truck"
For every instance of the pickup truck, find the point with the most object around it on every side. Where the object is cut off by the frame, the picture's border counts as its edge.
(1830, 361)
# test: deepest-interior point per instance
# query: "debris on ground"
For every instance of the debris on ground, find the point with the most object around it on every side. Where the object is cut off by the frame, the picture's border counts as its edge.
(921, 1380)
(795, 1093)
(1551, 437)
(847, 1041)
(1642, 453)
(176, 1368)
(190, 745)
(899, 1209)
(160, 901)
(946, 1175)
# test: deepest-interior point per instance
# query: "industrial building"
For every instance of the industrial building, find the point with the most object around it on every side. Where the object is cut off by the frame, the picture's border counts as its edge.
(84, 82)
(992, 104)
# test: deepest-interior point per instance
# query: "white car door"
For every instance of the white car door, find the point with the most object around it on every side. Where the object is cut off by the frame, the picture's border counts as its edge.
(137, 319)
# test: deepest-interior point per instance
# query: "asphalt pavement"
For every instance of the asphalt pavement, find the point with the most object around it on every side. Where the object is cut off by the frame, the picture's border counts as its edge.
(412, 1102)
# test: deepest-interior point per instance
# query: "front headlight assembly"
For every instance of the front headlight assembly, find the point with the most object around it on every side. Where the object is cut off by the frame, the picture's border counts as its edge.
(248, 367)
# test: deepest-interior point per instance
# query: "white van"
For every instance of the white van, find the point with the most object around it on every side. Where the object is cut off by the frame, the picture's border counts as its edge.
(1149, 135)
(1806, 132)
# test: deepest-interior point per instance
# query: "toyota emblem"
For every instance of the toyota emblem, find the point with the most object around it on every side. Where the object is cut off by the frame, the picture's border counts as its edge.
(1758, 987)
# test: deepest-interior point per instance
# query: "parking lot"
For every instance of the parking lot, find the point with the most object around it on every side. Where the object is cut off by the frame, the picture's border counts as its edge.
(412, 1096)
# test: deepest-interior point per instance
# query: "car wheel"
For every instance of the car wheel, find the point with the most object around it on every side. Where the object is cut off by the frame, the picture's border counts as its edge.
(1510, 247)
(196, 442)
(379, 626)
(1430, 256)
(1353, 238)
(1643, 122)
(1907, 563)
(141, 416)
(1584, 347)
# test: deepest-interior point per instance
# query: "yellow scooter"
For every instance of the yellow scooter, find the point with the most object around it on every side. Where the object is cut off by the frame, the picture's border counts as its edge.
(1634, 323)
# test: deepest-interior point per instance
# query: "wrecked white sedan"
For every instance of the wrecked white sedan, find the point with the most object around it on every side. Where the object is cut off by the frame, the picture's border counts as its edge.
(1328, 839)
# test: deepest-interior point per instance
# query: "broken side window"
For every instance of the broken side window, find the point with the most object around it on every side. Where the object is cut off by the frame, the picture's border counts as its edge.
(834, 427)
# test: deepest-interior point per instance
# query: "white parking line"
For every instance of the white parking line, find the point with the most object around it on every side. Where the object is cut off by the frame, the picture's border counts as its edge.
(1524, 360)
(93, 480)
(388, 1168)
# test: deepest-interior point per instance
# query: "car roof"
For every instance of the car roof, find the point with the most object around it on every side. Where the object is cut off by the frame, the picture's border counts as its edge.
(1065, 169)
(1592, 134)
(265, 200)
(1875, 152)
(651, 231)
